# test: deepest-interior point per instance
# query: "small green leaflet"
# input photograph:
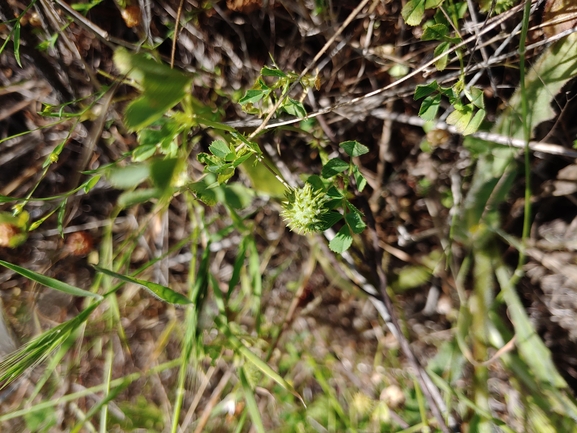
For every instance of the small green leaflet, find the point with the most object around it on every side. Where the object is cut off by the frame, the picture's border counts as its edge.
(342, 241)
(17, 42)
(355, 219)
(252, 96)
(128, 177)
(157, 290)
(425, 90)
(413, 12)
(430, 107)
(267, 71)
(334, 167)
(359, 179)
(221, 150)
(354, 148)
(435, 32)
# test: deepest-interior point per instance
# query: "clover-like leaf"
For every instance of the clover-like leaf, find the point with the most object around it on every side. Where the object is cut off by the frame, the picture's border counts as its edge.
(423, 90)
(342, 241)
(220, 149)
(354, 148)
(435, 32)
(334, 167)
(413, 12)
(430, 107)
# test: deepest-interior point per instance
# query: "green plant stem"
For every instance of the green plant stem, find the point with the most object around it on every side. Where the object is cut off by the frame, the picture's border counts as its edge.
(527, 137)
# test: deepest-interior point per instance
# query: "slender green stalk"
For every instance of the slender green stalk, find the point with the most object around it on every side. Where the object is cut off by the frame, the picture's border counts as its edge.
(526, 136)
(191, 320)
(107, 380)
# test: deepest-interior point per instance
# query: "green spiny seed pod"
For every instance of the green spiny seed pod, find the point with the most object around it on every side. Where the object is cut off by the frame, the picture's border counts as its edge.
(304, 208)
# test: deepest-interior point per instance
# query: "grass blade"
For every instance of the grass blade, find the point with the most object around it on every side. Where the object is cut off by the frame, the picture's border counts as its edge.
(157, 290)
(50, 282)
(250, 401)
(237, 344)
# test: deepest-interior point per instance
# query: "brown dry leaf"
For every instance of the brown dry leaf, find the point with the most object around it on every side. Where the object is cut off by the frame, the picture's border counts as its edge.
(243, 6)
(131, 16)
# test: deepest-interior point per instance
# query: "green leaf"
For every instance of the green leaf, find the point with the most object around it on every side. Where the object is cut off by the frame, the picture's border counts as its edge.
(334, 193)
(17, 42)
(316, 182)
(128, 177)
(475, 95)
(425, 90)
(530, 346)
(359, 179)
(143, 111)
(220, 149)
(203, 192)
(294, 108)
(163, 87)
(240, 159)
(157, 290)
(413, 12)
(354, 148)
(130, 198)
(334, 167)
(252, 96)
(342, 241)
(41, 420)
(329, 219)
(143, 152)
(50, 282)
(443, 47)
(267, 71)
(60, 217)
(475, 122)
(251, 401)
(234, 196)
(91, 183)
(355, 220)
(461, 117)
(162, 172)
(7, 199)
(225, 174)
(430, 107)
(219, 126)
(163, 133)
(435, 32)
